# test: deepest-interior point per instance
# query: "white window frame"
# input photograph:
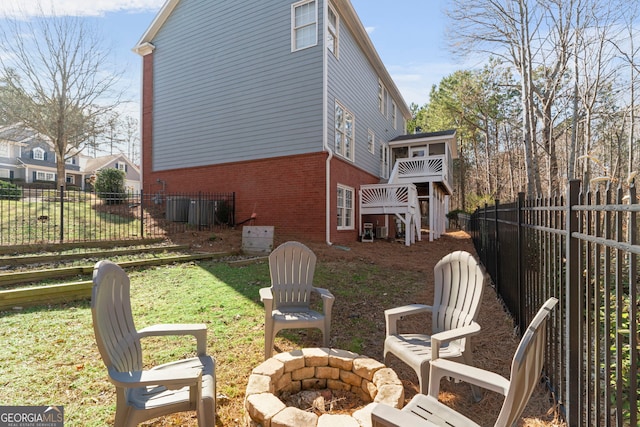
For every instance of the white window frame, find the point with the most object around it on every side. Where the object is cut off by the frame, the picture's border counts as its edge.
(345, 212)
(333, 32)
(371, 141)
(394, 110)
(295, 28)
(384, 160)
(122, 167)
(382, 98)
(345, 136)
(45, 176)
(38, 153)
(71, 179)
(419, 151)
(5, 173)
(4, 149)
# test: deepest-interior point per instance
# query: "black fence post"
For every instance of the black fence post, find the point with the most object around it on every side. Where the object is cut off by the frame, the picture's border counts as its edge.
(572, 307)
(519, 268)
(496, 249)
(61, 213)
(233, 211)
(141, 214)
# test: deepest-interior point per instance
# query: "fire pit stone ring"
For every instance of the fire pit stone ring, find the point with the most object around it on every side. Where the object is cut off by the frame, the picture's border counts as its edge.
(318, 368)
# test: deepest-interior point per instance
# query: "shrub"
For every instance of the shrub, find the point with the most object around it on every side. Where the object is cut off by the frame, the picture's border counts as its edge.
(9, 191)
(109, 186)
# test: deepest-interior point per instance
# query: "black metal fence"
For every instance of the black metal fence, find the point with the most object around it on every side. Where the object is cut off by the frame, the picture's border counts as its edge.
(582, 249)
(40, 216)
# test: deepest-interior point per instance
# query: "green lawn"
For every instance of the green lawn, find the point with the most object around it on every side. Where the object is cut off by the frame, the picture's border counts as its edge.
(48, 355)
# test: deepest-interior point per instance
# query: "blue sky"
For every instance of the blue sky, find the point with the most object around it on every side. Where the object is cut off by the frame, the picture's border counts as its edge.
(408, 34)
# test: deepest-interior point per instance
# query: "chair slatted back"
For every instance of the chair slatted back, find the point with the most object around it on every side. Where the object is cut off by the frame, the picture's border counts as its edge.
(458, 288)
(115, 331)
(292, 266)
(526, 366)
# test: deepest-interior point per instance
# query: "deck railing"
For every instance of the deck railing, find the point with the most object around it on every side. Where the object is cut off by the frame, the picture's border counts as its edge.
(423, 169)
(387, 198)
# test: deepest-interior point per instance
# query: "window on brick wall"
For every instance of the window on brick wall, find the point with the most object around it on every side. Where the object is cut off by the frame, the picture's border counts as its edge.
(345, 207)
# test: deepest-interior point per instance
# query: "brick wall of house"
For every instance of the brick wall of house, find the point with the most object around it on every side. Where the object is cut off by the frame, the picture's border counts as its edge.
(286, 192)
(344, 173)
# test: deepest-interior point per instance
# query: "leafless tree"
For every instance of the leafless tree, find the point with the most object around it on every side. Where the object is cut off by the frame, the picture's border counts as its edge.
(56, 80)
(504, 29)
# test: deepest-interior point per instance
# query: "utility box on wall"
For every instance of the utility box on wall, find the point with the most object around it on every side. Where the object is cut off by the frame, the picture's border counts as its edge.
(257, 239)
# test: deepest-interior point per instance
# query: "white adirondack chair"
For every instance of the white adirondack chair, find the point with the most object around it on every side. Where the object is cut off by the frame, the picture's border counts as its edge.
(526, 368)
(459, 283)
(142, 394)
(287, 301)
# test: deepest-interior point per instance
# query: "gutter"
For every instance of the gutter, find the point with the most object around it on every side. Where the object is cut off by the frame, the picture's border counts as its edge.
(325, 117)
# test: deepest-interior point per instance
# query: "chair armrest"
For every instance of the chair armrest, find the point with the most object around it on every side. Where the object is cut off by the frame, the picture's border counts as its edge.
(172, 379)
(388, 416)
(482, 378)
(450, 335)
(392, 315)
(267, 298)
(198, 330)
(327, 300)
(324, 293)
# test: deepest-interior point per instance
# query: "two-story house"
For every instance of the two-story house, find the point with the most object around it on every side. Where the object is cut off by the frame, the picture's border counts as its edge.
(285, 103)
(26, 156)
(29, 158)
(91, 166)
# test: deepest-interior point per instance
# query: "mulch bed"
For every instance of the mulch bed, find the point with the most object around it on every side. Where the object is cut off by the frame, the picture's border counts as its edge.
(493, 347)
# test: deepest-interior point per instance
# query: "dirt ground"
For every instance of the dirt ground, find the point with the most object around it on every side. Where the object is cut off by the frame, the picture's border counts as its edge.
(493, 347)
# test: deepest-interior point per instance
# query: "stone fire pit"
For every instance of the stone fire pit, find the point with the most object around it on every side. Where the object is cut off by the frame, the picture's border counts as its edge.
(318, 368)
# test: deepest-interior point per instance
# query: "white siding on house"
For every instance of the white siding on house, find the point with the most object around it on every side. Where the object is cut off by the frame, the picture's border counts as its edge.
(228, 88)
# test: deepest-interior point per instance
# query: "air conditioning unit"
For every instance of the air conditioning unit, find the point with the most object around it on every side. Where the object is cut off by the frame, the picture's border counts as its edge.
(382, 232)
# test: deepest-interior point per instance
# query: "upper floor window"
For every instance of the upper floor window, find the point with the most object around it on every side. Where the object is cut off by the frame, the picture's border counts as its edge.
(304, 20)
(393, 114)
(332, 34)
(38, 154)
(371, 141)
(4, 149)
(121, 166)
(384, 160)
(70, 161)
(344, 132)
(382, 98)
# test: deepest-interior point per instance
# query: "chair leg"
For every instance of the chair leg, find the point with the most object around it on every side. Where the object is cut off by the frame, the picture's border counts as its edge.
(268, 338)
(475, 390)
(423, 377)
(325, 336)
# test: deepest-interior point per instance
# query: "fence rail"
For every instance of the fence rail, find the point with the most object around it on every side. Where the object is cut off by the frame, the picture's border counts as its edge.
(41, 216)
(582, 249)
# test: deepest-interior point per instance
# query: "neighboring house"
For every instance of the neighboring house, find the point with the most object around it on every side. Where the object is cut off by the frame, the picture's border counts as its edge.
(285, 103)
(28, 157)
(91, 166)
